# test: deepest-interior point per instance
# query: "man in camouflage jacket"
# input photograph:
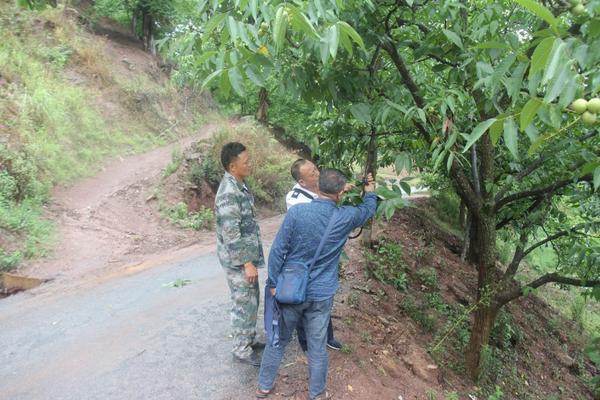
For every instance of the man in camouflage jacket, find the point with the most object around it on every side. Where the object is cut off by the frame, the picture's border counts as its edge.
(240, 250)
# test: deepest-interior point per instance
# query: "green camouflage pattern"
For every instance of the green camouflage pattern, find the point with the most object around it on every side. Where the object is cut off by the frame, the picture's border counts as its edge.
(244, 310)
(238, 233)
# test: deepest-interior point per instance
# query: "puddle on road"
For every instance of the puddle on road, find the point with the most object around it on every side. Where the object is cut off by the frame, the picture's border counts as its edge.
(11, 284)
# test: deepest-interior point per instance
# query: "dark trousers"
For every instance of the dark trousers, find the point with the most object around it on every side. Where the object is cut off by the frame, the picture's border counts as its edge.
(302, 334)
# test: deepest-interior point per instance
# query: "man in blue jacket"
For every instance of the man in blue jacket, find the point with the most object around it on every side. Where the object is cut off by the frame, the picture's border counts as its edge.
(297, 239)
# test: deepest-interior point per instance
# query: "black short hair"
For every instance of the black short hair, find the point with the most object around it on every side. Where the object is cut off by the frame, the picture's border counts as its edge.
(230, 152)
(295, 170)
(331, 181)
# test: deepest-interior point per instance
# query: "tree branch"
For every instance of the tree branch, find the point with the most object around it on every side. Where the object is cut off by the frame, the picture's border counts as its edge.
(544, 279)
(540, 191)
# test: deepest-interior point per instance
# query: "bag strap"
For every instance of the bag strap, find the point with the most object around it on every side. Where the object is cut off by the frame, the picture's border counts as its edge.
(304, 193)
(325, 235)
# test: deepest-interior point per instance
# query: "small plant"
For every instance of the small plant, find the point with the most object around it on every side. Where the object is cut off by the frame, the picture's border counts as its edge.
(418, 315)
(176, 159)
(451, 396)
(177, 283)
(428, 278)
(366, 338)
(387, 264)
(180, 216)
(346, 349)
(578, 311)
(497, 395)
(353, 299)
(431, 394)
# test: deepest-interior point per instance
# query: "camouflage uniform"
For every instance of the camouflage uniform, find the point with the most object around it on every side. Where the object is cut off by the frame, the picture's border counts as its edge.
(238, 242)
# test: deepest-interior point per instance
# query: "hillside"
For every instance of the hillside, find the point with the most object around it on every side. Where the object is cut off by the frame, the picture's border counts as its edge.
(70, 100)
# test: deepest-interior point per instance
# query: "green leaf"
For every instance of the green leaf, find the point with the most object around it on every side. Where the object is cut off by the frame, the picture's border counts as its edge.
(511, 138)
(233, 28)
(558, 84)
(528, 112)
(453, 37)
(496, 129)
(553, 61)
(333, 39)
(540, 55)
(396, 106)
(348, 30)
(210, 77)
(280, 26)
(451, 140)
(492, 45)
(539, 10)
(204, 57)
(302, 23)
(236, 81)
(254, 8)
(449, 162)
(361, 112)
(212, 24)
(478, 132)
(597, 178)
(406, 187)
(254, 75)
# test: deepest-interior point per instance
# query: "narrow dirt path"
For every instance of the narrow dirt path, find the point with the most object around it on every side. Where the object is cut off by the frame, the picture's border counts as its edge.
(105, 222)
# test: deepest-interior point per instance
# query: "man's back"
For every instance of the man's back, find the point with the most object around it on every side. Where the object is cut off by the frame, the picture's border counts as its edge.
(301, 232)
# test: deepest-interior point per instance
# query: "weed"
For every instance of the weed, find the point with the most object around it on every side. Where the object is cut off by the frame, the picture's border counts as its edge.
(180, 216)
(497, 395)
(387, 264)
(419, 315)
(428, 278)
(346, 349)
(176, 159)
(431, 394)
(578, 311)
(505, 334)
(451, 396)
(348, 321)
(366, 338)
(353, 299)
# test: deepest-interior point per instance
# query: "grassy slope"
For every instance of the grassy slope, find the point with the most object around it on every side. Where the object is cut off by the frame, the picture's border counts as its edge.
(69, 101)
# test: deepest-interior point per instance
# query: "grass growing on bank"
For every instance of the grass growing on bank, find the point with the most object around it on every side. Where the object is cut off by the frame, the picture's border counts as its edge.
(64, 110)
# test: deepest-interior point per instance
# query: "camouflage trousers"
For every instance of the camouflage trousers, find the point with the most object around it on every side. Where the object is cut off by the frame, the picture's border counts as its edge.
(244, 310)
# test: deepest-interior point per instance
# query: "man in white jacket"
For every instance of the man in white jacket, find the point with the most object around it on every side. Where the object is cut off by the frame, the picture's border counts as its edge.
(306, 175)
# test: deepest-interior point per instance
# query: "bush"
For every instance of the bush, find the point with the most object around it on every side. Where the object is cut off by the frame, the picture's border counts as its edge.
(180, 216)
(270, 179)
(387, 264)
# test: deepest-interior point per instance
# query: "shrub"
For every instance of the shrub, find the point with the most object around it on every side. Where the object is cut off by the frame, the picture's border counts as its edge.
(387, 264)
(270, 179)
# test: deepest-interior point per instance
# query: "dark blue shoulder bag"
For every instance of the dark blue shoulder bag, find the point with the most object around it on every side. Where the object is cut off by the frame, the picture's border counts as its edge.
(293, 279)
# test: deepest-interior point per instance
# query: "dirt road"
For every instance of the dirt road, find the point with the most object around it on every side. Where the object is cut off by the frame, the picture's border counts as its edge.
(108, 326)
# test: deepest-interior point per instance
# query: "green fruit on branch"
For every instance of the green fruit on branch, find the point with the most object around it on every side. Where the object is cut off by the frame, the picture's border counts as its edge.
(593, 105)
(264, 26)
(588, 118)
(579, 9)
(579, 106)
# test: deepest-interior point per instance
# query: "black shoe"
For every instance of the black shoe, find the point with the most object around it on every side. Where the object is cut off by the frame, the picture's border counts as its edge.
(334, 344)
(258, 345)
(252, 359)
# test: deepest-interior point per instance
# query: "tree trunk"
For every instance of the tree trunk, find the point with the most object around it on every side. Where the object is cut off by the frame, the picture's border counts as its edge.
(147, 24)
(483, 251)
(480, 337)
(263, 106)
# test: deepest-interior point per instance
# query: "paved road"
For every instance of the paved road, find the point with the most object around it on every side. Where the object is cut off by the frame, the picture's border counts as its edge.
(128, 337)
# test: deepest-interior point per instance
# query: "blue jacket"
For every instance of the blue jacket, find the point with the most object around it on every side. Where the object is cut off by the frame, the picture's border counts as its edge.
(301, 232)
